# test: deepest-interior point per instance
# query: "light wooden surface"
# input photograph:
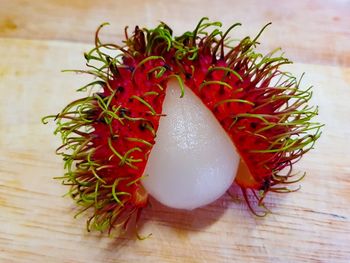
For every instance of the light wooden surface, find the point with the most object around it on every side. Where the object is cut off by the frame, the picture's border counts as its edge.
(39, 38)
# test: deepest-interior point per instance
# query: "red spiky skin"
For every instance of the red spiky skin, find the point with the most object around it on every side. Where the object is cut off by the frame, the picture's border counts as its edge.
(107, 137)
(254, 113)
(132, 81)
(117, 127)
(254, 101)
(124, 87)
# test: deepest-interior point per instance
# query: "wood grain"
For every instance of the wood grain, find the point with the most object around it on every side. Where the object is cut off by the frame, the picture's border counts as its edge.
(313, 31)
(37, 224)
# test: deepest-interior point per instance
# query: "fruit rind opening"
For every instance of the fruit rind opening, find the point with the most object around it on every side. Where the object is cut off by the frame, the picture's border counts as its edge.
(261, 107)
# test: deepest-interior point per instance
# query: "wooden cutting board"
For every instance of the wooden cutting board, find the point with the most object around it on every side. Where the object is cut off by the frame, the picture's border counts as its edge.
(36, 222)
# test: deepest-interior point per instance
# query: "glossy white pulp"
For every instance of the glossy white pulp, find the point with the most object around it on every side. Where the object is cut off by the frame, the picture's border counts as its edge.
(193, 161)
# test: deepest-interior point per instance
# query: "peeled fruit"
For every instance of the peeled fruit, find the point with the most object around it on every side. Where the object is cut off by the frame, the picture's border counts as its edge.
(193, 161)
(172, 116)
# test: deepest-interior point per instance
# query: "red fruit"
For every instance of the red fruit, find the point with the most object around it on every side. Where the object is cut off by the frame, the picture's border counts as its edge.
(260, 107)
(108, 136)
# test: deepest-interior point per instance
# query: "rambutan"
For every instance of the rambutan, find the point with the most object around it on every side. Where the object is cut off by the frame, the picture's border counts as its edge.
(108, 136)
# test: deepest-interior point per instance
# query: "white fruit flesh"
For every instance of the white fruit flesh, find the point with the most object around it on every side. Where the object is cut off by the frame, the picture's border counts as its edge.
(193, 161)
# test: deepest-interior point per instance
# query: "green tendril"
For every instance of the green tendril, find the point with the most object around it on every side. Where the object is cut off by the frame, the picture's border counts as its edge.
(139, 140)
(234, 101)
(144, 103)
(228, 70)
(145, 61)
(159, 71)
(214, 82)
(182, 87)
(114, 150)
(45, 119)
(137, 180)
(115, 194)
